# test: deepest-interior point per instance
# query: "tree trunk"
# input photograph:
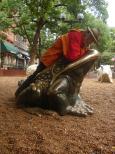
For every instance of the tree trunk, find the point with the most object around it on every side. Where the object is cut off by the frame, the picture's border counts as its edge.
(32, 57)
(33, 50)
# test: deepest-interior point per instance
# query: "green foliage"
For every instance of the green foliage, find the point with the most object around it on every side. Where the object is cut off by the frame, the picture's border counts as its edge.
(106, 57)
(98, 8)
(105, 40)
(112, 33)
(34, 17)
(2, 37)
(5, 22)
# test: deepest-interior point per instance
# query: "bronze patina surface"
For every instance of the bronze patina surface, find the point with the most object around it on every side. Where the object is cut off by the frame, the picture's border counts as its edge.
(57, 88)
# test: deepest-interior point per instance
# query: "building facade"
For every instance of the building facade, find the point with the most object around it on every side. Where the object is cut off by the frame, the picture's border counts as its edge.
(13, 51)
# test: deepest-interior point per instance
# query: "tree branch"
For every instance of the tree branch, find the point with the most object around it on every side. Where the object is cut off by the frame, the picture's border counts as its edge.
(26, 34)
(58, 5)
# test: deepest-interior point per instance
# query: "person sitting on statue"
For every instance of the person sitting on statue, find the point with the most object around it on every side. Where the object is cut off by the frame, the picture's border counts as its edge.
(72, 46)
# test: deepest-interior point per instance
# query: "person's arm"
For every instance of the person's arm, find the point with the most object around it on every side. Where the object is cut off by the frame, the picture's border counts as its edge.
(52, 54)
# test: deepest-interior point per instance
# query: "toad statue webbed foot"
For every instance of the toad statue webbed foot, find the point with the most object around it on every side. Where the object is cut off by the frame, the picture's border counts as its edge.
(80, 108)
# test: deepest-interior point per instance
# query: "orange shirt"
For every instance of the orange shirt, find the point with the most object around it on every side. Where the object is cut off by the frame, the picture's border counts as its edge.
(70, 45)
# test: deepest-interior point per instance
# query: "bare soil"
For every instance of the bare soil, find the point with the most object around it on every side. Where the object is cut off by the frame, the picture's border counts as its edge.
(44, 132)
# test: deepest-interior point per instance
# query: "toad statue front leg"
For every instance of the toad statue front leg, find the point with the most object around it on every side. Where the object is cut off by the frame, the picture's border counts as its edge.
(65, 99)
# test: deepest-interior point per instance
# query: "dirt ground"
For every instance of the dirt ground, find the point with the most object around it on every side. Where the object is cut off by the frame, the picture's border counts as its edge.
(48, 133)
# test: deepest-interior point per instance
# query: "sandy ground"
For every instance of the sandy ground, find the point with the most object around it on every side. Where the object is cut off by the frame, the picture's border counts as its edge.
(49, 133)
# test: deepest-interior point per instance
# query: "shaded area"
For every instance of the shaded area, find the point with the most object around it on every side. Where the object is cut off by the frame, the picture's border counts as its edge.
(46, 132)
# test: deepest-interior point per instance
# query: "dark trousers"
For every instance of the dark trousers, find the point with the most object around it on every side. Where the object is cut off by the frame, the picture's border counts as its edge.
(30, 79)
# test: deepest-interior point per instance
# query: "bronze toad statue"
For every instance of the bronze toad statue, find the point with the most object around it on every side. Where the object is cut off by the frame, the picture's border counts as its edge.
(57, 87)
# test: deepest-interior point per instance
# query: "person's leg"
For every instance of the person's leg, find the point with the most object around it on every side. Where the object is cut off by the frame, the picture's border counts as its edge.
(30, 79)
